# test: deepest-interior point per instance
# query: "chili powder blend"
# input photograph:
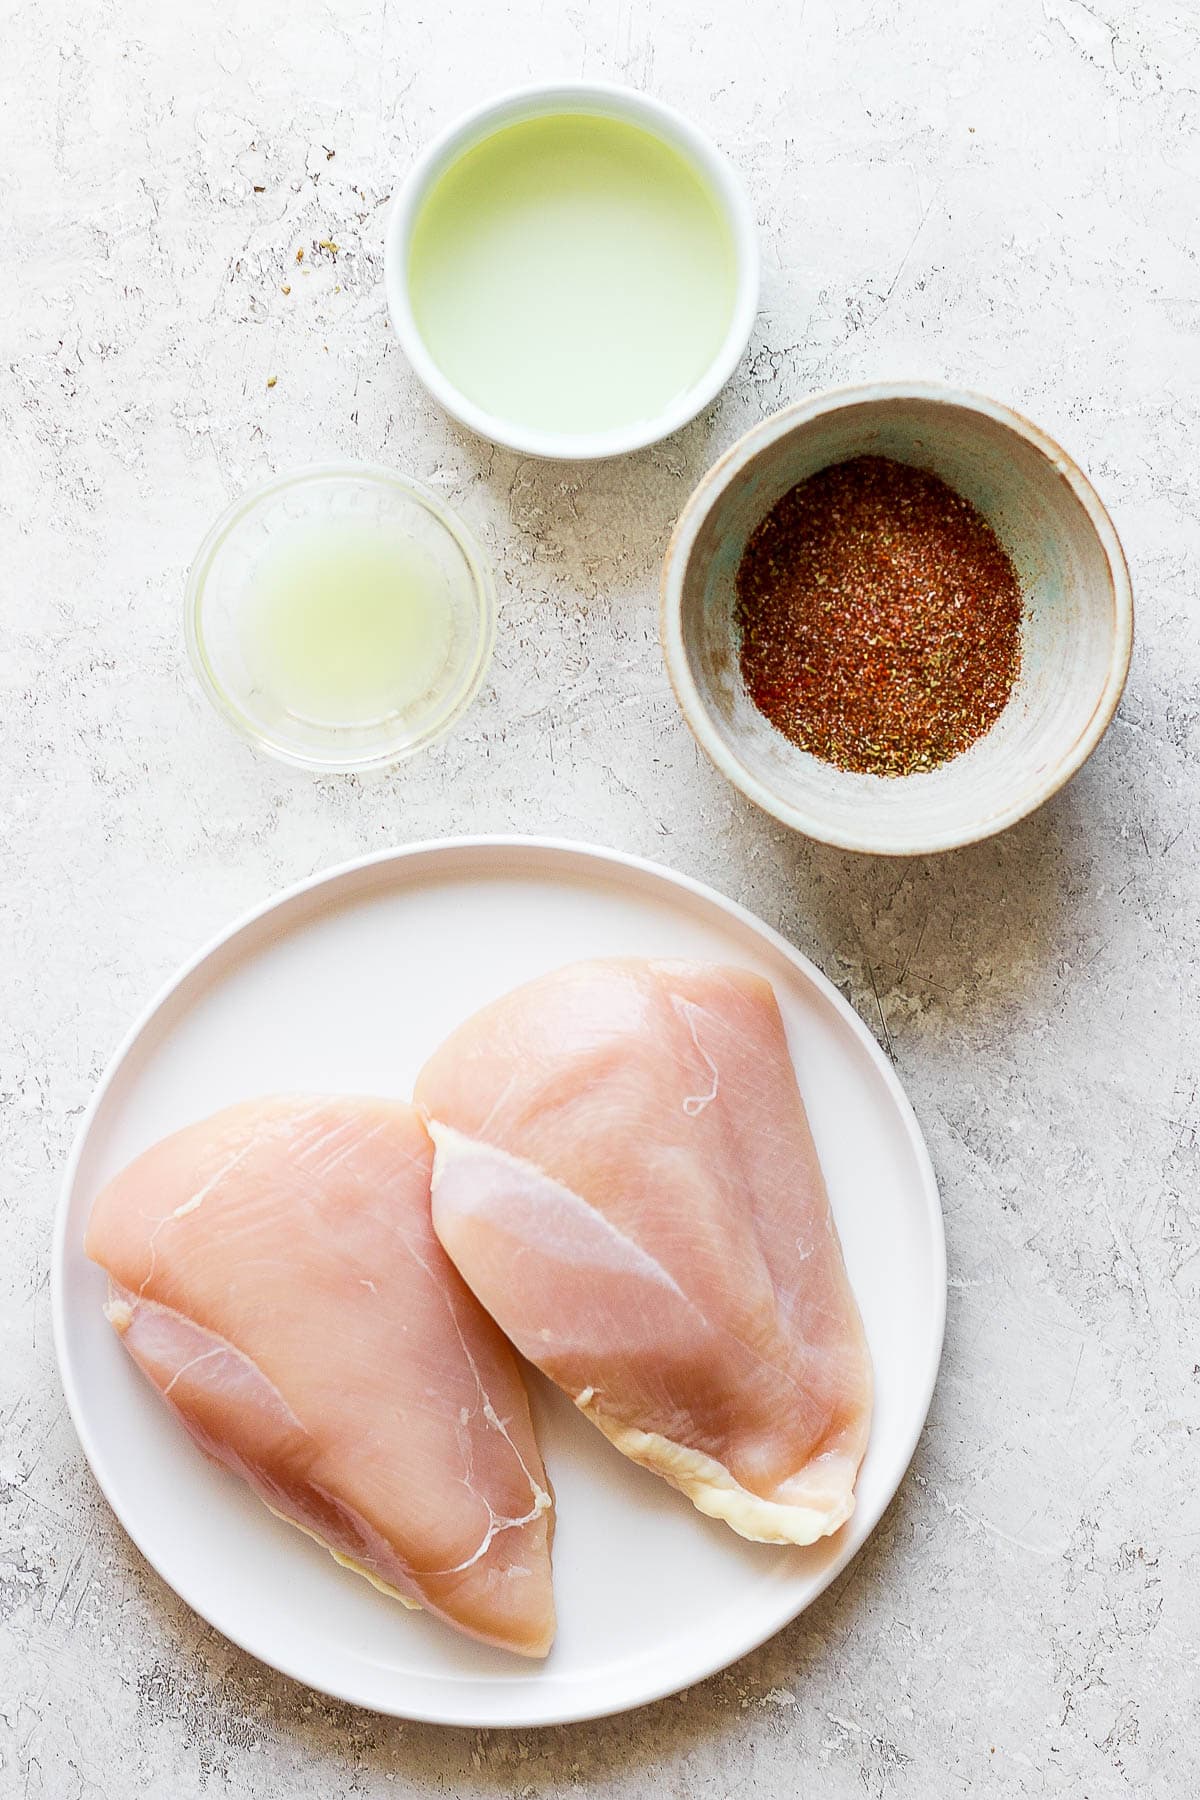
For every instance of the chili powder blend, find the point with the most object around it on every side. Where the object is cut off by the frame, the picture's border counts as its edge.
(880, 618)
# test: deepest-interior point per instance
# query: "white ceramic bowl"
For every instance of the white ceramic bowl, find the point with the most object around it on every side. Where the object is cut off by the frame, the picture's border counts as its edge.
(1076, 636)
(611, 101)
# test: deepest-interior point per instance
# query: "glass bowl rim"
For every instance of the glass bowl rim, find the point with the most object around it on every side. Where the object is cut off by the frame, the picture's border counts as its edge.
(483, 587)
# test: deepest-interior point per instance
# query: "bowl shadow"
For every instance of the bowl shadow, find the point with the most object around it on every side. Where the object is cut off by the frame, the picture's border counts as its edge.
(957, 938)
(593, 527)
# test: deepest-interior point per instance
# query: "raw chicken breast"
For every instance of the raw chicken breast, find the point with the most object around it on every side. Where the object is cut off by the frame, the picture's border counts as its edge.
(626, 1179)
(274, 1272)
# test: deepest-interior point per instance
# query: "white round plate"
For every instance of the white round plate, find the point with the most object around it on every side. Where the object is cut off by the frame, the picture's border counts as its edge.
(346, 983)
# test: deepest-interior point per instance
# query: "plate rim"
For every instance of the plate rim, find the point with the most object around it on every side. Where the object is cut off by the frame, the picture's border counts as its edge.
(552, 848)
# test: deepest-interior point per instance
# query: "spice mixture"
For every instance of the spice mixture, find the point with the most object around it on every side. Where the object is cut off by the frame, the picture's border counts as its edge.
(880, 618)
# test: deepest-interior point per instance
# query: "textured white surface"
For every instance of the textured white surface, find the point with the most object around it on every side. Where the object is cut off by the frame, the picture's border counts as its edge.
(1004, 195)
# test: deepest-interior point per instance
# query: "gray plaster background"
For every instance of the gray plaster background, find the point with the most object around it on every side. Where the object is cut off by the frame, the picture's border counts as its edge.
(1004, 194)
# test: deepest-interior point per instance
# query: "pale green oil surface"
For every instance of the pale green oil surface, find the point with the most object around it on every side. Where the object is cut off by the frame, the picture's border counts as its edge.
(572, 273)
(346, 623)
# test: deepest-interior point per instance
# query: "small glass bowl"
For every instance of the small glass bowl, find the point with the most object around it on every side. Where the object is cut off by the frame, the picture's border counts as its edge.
(221, 580)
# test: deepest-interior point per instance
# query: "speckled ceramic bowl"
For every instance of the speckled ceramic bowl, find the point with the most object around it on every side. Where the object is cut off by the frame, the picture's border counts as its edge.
(1076, 637)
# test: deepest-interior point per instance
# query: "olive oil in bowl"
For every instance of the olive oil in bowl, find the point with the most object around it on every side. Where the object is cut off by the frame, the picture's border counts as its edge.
(573, 272)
